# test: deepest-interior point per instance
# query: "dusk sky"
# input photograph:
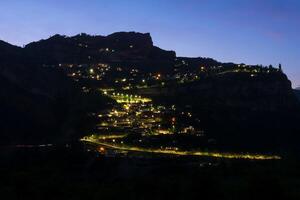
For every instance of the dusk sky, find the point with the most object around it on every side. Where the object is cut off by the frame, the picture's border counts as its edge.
(250, 31)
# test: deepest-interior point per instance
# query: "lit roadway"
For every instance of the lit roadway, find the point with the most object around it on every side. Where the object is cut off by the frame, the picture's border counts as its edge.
(184, 153)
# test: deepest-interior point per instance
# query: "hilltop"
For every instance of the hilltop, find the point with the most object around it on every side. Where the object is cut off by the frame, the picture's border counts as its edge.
(123, 48)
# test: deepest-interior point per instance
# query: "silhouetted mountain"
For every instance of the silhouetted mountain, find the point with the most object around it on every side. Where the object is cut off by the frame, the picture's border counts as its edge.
(195, 63)
(41, 103)
(123, 48)
(36, 103)
(8, 50)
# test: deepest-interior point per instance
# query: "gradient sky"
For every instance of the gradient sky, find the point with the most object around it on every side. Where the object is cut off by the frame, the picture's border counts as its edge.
(250, 31)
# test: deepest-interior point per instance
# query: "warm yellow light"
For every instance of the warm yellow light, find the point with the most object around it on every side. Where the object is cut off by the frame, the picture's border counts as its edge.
(176, 151)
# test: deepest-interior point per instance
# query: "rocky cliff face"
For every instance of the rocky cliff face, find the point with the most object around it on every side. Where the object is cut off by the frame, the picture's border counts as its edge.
(235, 90)
(126, 48)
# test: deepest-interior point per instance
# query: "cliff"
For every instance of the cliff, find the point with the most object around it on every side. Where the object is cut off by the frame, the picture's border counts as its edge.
(123, 48)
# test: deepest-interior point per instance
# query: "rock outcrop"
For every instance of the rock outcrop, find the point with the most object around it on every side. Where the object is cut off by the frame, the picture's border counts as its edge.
(123, 48)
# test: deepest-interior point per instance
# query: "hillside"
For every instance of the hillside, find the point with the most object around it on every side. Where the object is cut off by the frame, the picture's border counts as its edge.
(234, 102)
(36, 104)
(122, 48)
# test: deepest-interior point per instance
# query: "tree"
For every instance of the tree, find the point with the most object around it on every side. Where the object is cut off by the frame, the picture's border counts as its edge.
(279, 66)
(270, 66)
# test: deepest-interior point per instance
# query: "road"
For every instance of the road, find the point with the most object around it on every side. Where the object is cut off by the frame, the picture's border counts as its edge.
(185, 153)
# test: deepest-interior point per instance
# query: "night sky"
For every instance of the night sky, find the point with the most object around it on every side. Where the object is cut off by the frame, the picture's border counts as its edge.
(250, 31)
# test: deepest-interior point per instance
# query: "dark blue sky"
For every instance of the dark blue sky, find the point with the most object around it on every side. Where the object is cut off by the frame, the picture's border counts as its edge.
(250, 31)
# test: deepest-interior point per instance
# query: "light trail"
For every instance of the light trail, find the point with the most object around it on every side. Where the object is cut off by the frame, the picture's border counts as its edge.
(104, 137)
(187, 153)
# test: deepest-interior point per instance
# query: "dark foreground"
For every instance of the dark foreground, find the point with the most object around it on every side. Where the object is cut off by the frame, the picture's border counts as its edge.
(70, 173)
